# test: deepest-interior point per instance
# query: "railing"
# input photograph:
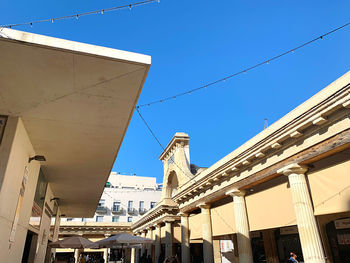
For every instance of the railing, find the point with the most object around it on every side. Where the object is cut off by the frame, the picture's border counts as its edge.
(131, 210)
(101, 209)
(142, 211)
(117, 210)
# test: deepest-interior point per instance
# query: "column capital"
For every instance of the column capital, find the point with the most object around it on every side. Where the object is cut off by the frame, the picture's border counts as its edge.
(235, 192)
(203, 205)
(183, 214)
(168, 221)
(293, 168)
(157, 225)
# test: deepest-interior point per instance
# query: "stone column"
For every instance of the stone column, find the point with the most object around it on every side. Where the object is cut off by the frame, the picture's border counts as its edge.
(245, 253)
(143, 245)
(106, 251)
(310, 240)
(77, 253)
(149, 245)
(168, 238)
(135, 255)
(208, 254)
(185, 239)
(105, 255)
(157, 241)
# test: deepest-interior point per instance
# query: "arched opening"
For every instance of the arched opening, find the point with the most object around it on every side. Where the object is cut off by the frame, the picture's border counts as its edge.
(172, 185)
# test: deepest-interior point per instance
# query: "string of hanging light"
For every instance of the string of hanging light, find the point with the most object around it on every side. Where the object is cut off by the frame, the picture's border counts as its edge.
(77, 16)
(161, 146)
(243, 71)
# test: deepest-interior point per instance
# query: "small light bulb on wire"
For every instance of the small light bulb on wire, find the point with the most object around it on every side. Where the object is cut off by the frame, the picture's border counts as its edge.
(77, 16)
(31, 24)
(130, 7)
(102, 11)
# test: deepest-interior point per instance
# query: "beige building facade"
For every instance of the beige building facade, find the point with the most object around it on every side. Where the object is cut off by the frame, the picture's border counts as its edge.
(285, 190)
(64, 109)
(124, 199)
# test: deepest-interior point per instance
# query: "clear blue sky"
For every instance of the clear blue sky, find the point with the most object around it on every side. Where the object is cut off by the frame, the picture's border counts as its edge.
(195, 42)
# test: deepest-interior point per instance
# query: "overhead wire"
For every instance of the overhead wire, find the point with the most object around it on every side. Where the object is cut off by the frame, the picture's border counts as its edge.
(243, 71)
(78, 15)
(224, 79)
(158, 141)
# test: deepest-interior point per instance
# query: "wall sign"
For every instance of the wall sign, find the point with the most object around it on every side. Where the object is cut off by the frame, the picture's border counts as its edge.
(227, 251)
(19, 206)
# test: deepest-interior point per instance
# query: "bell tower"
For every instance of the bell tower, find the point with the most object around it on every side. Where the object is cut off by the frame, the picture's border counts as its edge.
(176, 163)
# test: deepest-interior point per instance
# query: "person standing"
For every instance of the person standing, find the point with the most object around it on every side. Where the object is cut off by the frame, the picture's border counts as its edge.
(293, 258)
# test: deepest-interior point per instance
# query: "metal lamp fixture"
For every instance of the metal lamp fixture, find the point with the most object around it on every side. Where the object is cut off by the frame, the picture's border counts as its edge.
(40, 158)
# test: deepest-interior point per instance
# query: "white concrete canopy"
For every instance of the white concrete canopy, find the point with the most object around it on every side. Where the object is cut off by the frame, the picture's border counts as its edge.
(76, 101)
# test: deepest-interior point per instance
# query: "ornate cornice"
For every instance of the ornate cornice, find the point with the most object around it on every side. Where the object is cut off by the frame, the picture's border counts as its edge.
(179, 137)
(291, 128)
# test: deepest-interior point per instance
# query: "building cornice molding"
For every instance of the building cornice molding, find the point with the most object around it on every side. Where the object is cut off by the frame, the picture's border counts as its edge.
(152, 216)
(332, 145)
(161, 219)
(179, 137)
(243, 158)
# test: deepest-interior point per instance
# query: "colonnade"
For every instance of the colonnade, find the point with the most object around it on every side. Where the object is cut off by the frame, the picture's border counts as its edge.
(309, 235)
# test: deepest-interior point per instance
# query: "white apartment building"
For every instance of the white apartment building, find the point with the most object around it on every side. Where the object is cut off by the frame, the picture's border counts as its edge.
(125, 198)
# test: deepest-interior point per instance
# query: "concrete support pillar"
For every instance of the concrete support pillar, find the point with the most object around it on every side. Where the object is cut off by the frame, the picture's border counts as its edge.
(310, 240)
(185, 239)
(208, 253)
(168, 239)
(157, 240)
(245, 253)
(105, 255)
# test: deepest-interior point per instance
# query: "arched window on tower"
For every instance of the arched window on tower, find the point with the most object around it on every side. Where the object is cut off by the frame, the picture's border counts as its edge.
(172, 185)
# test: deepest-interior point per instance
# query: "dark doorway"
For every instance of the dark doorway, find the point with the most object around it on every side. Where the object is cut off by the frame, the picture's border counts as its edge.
(286, 244)
(196, 250)
(339, 240)
(29, 247)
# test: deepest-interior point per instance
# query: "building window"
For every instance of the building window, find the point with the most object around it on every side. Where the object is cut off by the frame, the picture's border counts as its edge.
(153, 204)
(99, 218)
(83, 219)
(115, 218)
(129, 219)
(142, 205)
(101, 203)
(130, 204)
(108, 185)
(116, 206)
(69, 219)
